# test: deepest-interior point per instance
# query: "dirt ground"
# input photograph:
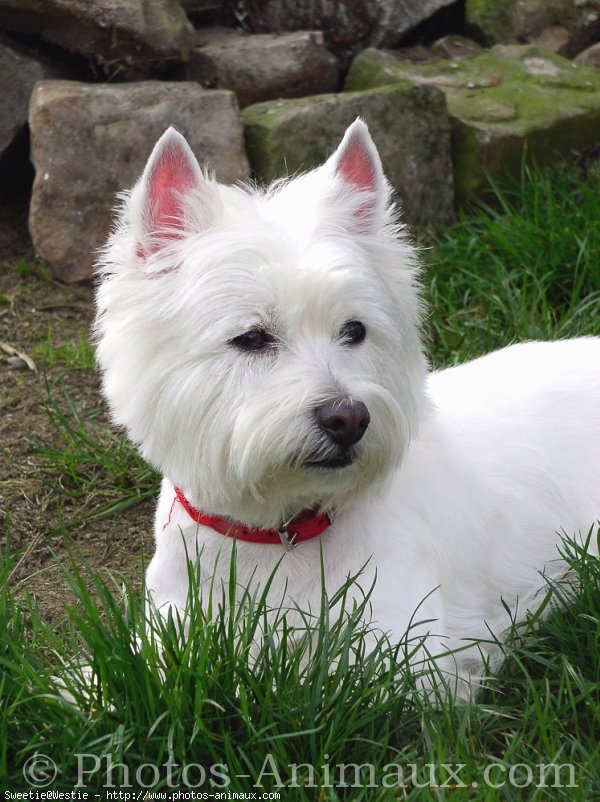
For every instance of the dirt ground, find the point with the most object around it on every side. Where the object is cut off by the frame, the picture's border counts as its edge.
(30, 303)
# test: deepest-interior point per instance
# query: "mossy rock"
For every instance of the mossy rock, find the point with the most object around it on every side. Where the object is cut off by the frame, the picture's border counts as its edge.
(512, 101)
(491, 21)
(409, 124)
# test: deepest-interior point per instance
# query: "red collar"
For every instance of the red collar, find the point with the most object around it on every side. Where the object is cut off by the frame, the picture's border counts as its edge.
(306, 526)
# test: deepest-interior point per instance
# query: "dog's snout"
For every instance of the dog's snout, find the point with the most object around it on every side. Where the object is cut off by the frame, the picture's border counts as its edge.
(344, 419)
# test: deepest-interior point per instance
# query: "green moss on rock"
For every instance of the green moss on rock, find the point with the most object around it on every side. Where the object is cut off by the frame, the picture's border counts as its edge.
(509, 101)
(409, 124)
(490, 21)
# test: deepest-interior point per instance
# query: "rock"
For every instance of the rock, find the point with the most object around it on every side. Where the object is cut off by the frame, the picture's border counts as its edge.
(261, 67)
(590, 57)
(409, 125)
(452, 46)
(89, 141)
(20, 68)
(18, 75)
(455, 47)
(16, 363)
(535, 21)
(511, 21)
(554, 39)
(512, 101)
(115, 34)
(349, 25)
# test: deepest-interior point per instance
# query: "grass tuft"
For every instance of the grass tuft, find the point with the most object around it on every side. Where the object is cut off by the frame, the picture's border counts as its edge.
(88, 462)
(70, 355)
(314, 694)
(522, 268)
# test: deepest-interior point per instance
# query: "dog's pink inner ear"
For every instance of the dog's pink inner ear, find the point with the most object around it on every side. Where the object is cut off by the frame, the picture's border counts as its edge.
(172, 174)
(357, 167)
(357, 163)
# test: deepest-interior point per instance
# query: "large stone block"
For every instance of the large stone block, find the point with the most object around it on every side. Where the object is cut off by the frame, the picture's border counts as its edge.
(116, 34)
(349, 25)
(590, 57)
(260, 67)
(512, 101)
(409, 125)
(568, 26)
(88, 142)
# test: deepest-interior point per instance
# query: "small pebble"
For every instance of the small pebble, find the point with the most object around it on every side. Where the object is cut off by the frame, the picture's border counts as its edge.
(16, 363)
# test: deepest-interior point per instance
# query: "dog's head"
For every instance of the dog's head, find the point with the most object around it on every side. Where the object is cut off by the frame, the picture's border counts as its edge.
(262, 347)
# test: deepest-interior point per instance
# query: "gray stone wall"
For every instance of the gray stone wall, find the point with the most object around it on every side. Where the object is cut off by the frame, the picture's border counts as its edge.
(264, 88)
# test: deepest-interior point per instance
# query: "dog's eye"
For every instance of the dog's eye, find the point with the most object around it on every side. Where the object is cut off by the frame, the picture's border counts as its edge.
(353, 332)
(253, 340)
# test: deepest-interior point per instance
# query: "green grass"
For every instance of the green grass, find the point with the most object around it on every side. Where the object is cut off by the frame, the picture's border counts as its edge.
(70, 355)
(203, 700)
(88, 463)
(526, 267)
(33, 270)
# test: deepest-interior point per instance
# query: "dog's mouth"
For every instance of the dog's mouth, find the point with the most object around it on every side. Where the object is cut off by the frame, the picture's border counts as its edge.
(331, 463)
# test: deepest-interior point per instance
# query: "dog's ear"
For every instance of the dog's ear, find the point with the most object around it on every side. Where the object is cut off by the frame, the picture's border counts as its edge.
(357, 163)
(171, 172)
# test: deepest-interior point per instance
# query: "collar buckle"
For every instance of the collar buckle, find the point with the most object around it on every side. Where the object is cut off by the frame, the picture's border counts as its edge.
(287, 541)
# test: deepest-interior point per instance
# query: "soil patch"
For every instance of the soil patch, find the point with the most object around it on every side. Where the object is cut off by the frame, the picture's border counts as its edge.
(31, 306)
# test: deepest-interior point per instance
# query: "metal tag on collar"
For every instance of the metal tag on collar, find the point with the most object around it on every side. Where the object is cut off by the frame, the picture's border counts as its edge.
(287, 541)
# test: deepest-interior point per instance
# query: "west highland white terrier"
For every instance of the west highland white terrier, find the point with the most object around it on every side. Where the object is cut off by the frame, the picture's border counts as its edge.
(262, 348)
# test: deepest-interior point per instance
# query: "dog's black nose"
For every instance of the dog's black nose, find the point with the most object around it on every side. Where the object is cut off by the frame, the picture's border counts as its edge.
(344, 419)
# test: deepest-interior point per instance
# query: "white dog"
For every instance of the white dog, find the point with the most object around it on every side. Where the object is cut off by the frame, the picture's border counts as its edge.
(262, 348)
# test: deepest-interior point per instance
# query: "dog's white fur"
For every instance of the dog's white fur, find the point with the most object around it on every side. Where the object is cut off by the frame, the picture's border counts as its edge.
(464, 476)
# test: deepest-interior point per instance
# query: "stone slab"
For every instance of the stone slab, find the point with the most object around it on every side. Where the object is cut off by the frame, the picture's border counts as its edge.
(409, 125)
(115, 34)
(512, 101)
(566, 26)
(349, 25)
(259, 67)
(88, 142)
